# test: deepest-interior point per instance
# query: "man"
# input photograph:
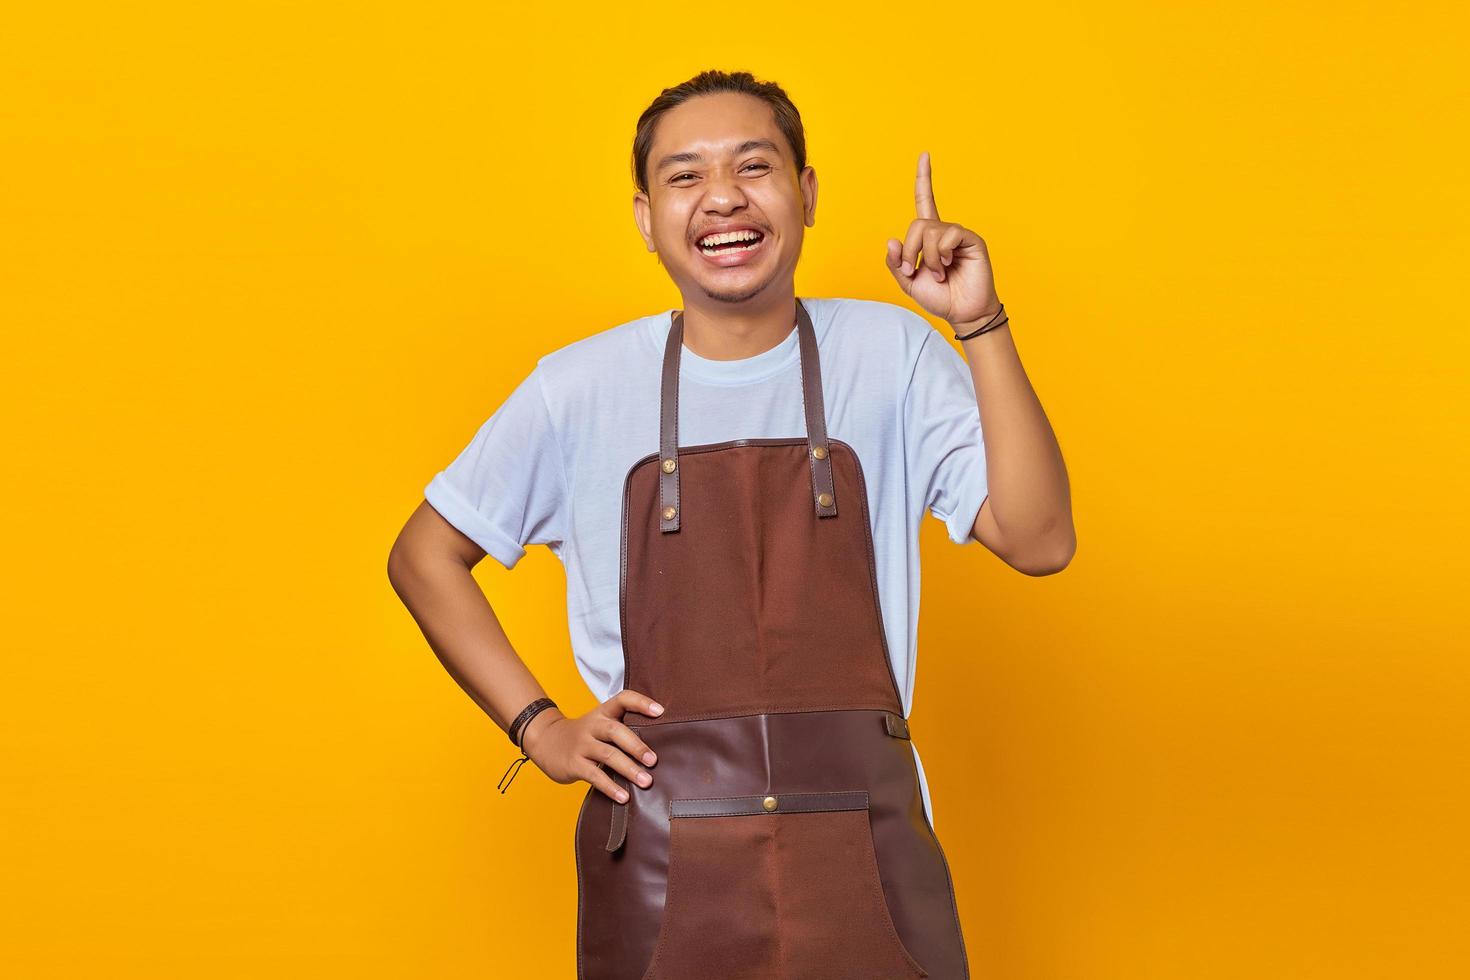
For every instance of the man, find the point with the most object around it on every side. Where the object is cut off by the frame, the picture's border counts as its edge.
(735, 489)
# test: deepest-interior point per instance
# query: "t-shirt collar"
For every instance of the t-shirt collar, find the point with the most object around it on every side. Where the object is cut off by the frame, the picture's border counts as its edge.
(743, 370)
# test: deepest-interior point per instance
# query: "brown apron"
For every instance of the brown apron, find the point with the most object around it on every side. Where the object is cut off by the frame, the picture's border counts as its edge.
(784, 835)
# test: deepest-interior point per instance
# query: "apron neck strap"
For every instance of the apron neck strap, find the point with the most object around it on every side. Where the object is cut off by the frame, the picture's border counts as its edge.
(824, 495)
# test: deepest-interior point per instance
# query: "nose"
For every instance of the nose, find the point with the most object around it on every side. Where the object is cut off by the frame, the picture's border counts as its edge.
(722, 193)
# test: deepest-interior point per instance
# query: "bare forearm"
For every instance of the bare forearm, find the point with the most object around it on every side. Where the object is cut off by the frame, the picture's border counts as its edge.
(1030, 510)
(462, 629)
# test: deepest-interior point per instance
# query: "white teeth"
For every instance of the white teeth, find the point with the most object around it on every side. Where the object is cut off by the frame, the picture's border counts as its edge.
(727, 251)
(729, 236)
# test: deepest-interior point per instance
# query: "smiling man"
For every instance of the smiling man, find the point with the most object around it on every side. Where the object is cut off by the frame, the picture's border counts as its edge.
(735, 488)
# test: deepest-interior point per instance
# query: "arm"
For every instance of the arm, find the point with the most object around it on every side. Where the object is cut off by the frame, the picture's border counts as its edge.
(1027, 518)
(429, 567)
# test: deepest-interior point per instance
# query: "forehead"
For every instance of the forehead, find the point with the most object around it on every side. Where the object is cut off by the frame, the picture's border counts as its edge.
(714, 126)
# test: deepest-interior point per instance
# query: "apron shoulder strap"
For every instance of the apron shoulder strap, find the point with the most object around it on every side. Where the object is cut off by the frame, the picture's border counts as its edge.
(824, 493)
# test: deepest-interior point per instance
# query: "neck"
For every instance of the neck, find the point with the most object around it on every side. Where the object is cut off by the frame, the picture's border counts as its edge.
(722, 333)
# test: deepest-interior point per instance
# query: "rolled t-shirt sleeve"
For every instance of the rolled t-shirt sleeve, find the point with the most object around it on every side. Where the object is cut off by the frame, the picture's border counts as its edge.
(944, 447)
(507, 488)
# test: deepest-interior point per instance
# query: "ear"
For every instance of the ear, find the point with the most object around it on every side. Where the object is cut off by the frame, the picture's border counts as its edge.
(808, 182)
(643, 217)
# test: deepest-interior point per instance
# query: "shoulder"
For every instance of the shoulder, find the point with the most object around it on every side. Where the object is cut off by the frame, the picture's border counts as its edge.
(871, 320)
(599, 358)
(882, 336)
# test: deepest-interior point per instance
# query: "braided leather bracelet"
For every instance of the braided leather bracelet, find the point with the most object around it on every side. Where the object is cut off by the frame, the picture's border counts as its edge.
(516, 729)
(996, 320)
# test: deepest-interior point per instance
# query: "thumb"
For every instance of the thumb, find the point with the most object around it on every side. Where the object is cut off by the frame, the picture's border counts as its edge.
(893, 258)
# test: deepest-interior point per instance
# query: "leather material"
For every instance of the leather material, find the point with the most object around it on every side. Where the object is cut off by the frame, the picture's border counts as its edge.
(897, 725)
(621, 895)
(670, 509)
(757, 625)
(735, 806)
(762, 607)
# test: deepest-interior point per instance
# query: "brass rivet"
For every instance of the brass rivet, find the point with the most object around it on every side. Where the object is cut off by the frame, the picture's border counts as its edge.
(819, 452)
(669, 513)
(825, 499)
(769, 803)
(669, 465)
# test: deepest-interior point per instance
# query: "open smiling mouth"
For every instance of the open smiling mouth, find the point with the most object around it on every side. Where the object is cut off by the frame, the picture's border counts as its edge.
(732, 248)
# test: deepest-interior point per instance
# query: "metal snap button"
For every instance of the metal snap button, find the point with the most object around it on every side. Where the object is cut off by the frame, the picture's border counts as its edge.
(819, 452)
(669, 465)
(825, 499)
(669, 513)
(769, 803)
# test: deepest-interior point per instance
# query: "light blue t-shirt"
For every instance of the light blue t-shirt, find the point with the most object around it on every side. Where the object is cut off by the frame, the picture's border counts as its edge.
(548, 466)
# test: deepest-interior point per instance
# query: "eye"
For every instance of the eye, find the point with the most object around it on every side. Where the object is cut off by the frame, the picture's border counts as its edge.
(678, 177)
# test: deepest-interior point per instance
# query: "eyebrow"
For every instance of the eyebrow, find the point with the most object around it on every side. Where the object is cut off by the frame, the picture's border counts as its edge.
(689, 156)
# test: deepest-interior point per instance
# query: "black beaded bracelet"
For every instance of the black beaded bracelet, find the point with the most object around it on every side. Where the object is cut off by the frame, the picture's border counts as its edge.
(517, 729)
(997, 320)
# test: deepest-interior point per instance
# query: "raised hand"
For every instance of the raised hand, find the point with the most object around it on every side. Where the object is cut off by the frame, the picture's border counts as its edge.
(944, 266)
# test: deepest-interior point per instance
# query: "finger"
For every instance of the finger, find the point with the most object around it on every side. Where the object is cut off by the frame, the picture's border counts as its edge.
(912, 242)
(601, 780)
(630, 700)
(953, 236)
(931, 249)
(924, 190)
(629, 741)
(895, 253)
(601, 746)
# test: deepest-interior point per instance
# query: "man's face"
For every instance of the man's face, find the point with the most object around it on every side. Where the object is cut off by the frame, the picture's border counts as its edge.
(719, 162)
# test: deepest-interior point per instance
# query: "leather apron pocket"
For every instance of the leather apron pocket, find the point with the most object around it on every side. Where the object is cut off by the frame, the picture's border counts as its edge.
(783, 885)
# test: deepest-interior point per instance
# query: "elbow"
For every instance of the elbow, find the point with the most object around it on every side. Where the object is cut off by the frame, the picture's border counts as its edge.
(395, 568)
(400, 564)
(1049, 555)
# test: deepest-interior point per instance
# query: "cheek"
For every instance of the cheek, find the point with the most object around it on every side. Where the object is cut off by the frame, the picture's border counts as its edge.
(785, 212)
(671, 229)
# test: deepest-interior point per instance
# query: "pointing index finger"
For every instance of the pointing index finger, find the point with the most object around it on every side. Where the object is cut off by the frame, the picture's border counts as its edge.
(924, 190)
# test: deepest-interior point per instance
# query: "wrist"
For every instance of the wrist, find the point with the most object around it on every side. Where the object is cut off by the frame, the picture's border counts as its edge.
(987, 321)
(968, 333)
(970, 326)
(531, 734)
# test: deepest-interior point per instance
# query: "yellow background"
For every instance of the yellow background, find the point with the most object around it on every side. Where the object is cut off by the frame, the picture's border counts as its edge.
(267, 267)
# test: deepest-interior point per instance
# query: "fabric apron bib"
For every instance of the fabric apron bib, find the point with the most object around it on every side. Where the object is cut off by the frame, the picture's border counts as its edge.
(784, 835)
